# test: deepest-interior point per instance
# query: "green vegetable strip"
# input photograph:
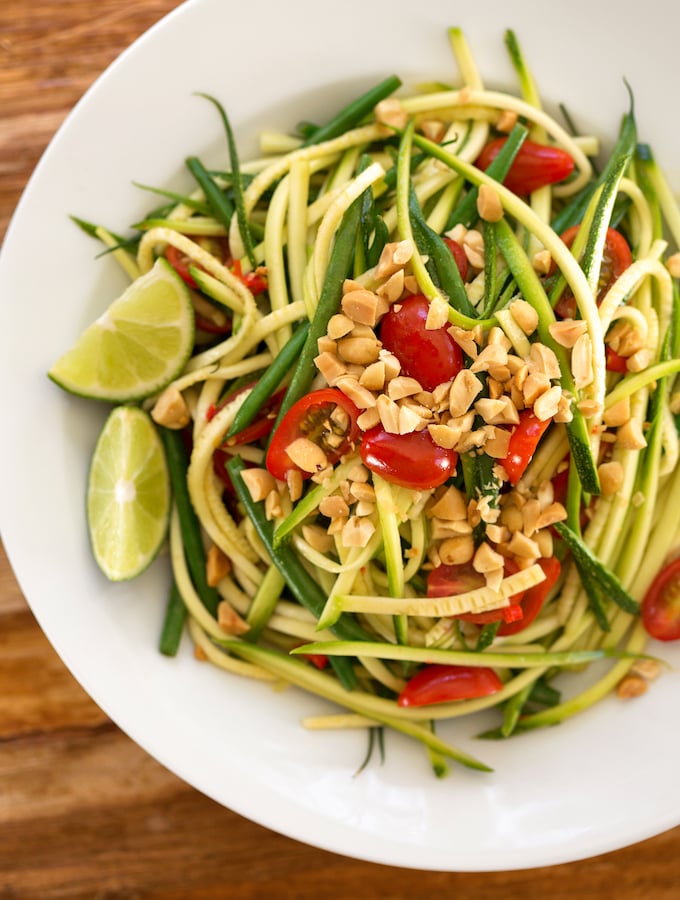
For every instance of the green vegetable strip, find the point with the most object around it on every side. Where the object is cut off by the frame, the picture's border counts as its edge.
(192, 203)
(611, 178)
(173, 623)
(322, 685)
(270, 381)
(534, 293)
(430, 244)
(190, 526)
(237, 182)
(331, 292)
(430, 655)
(394, 561)
(264, 602)
(304, 588)
(219, 203)
(354, 112)
(593, 573)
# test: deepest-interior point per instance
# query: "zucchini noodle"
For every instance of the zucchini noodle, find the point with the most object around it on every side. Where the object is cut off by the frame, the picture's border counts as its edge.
(491, 488)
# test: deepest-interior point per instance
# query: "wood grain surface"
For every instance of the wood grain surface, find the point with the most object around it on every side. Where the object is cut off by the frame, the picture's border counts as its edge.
(86, 813)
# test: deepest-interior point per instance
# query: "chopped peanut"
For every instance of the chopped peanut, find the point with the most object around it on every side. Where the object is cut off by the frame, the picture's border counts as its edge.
(402, 386)
(568, 331)
(525, 315)
(456, 551)
(307, 455)
(171, 410)
(611, 477)
(618, 414)
(389, 413)
(506, 120)
(333, 507)
(229, 620)
(364, 307)
(547, 404)
(437, 314)
(368, 419)
(361, 350)
(217, 565)
(630, 436)
(318, 538)
(473, 245)
(464, 388)
(259, 483)
(359, 395)
(373, 376)
(330, 367)
(486, 559)
(357, 532)
(451, 505)
(631, 686)
(392, 289)
(489, 204)
(339, 325)
(394, 256)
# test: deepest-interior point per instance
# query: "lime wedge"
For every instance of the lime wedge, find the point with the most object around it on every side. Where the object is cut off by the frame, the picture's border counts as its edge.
(137, 346)
(128, 494)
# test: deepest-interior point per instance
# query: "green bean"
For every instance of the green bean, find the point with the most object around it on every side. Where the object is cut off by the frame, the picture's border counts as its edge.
(189, 524)
(190, 202)
(237, 183)
(218, 201)
(329, 301)
(173, 623)
(441, 264)
(352, 114)
(269, 382)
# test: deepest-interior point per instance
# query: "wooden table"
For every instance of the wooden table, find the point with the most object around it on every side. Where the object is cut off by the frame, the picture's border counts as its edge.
(83, 811)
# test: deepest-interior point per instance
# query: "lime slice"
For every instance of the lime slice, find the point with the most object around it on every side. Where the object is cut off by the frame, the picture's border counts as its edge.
(128, 494)
(137, 346)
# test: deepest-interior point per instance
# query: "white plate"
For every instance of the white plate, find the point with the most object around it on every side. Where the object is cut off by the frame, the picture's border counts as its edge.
(603, 780)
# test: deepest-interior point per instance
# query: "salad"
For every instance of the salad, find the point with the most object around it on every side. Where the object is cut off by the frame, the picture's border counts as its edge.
(424, 452)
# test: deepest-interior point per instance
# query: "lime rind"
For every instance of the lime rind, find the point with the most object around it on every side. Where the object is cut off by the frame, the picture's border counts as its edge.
(137, 346)
(128, 494)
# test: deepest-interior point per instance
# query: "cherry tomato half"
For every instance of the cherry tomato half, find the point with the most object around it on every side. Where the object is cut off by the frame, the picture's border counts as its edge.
(535, 166)
(311, 418)
(616, 257)
(431, 356)
(442, 684)
(523, 442)
(410, 460)
(661, 605)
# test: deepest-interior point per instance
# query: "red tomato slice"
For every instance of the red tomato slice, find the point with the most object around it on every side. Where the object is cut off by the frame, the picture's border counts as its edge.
(431, 356)
(459, 256)
(616, 258)
(535, 166)
(310, 418)
(532, 600)
(442, 684)
(661, 605)
(523, 442)
(410, 460)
